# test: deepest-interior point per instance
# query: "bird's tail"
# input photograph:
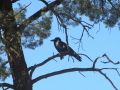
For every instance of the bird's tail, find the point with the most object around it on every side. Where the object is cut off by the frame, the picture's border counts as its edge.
(75, 55)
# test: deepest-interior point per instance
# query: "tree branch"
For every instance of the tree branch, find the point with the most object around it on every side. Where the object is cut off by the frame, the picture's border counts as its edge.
(44, 62)
(6, 85)
(63, 71)
(108, 79)
(104, 55)
(96, 60)
(23, 9)
(87, 57)
(73, 70)
(39, 13)
(109, 60)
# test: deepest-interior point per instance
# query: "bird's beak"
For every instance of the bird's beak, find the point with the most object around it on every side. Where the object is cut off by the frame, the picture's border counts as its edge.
(52, 40)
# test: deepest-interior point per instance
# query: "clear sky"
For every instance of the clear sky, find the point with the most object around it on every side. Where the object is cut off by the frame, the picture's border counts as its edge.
(105, 41)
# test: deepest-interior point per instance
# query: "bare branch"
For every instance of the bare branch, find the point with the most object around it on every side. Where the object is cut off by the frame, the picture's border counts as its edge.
(63, 71)
(87, 57)
(6, 85)
(73, 70)
(39, 13)
(47, 60)
(23, 9)
(117, 72)
(89, 26)
(96, 60)
(110, 60)
(32, 68)
(108, 79)
(104, 55)
(82, 74)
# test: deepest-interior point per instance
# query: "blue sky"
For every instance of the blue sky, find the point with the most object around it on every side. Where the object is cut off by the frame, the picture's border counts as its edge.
(105, 41)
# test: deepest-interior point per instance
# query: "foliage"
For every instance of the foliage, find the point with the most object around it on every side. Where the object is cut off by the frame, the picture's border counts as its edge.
(106, 11)
(4, 70)
(36, 32)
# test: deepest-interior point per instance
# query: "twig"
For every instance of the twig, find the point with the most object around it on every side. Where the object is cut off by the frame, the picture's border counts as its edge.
(80, 40)
(73, 59)
(82, 47)
(110, 60)
(87, 57)
(98, 29)
(117, 72)
(54, 60)
(112, 4)
(104, 55)
(82, 35)
(89, 34)
(94, 63)
(81, 74)
(23, 9)
(108, 79)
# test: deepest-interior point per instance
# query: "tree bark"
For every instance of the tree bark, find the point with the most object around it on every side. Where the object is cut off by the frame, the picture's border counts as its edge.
(12, 41)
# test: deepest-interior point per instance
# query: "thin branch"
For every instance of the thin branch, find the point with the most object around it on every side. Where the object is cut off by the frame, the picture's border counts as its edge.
(72, 59)
(82, 74)
(39, 13)
(104, 55)
(112, 4)
(112, 68)
(87, 57)
(80, 41)
(61, 72)
(47, 60)
(89, 34)
(117, 72)
(109, 60)
(56, 14)
(6, 85)
(94, 63)
(23, 8)
(82, 35)
(108, 79)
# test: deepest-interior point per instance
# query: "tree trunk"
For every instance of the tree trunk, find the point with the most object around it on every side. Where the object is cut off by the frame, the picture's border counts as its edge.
(12, 41)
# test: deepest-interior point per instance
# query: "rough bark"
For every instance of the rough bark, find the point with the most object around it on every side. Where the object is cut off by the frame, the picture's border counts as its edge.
(21, 80)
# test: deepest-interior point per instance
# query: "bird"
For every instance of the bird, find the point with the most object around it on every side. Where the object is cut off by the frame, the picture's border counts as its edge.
(63, 48)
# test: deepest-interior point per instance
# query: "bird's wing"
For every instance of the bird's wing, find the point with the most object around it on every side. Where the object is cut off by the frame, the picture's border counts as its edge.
(72, 52)
(64, 46)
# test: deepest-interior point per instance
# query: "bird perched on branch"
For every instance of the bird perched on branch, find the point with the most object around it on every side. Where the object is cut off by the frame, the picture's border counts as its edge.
(63, 48)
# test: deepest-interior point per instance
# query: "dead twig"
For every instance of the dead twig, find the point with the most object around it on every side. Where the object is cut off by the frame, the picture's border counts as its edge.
(23, 8)
(109, 60)
(108, 79)
(87, 57)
